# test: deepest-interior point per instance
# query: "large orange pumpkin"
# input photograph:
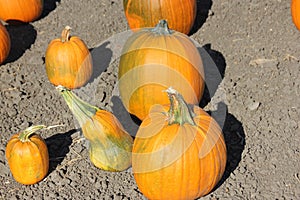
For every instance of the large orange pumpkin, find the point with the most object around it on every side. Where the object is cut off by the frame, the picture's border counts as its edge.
(27, 156)
(20, 10)
(4, 43)
(109, 144)
(68, 61)
(179, 14)
(295, 10)
(178, 152)
(154, 59)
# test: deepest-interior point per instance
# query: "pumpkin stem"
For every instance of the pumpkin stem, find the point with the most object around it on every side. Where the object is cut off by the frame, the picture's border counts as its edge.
(82, 110)
(162, 28)
(179, 112)
(25, 135)
(65, 34)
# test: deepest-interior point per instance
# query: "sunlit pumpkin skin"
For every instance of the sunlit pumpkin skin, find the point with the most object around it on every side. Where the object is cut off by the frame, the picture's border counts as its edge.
(110, 145)
(27, 156)
(20, 10)
(176, 156)
(68, 61)
(179, 14)
(295, 10)
(4, 43)
(153, 60)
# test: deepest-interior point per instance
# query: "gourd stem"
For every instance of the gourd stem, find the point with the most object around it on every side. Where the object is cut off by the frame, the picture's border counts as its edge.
(82, 110)
(24, 135)
(179, 112)
(162, 28)
(65, 34)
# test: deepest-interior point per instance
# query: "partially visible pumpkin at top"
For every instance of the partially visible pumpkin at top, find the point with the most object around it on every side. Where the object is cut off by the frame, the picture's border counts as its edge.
(68, 61)
(4, 43)
(179, 14)
(20, 10)
(295, 11)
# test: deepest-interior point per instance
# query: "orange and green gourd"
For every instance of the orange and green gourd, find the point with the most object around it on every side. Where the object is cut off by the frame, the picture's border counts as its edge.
(110, 145)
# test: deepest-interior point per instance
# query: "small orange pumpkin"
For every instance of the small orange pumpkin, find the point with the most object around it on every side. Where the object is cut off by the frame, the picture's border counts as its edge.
(27, 156)
(179, 152)
(154, 59)
(20, 10)
(68, 61)
(4, 43)
(295, 11)
(179, 14)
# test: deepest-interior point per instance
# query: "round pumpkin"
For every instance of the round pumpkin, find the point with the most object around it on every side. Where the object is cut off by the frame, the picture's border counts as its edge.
(4, 43)
(68, 61)
(20, 10)
(178, 152)
(179, 14)
(154, 59)
(295, 11)
(27, 156)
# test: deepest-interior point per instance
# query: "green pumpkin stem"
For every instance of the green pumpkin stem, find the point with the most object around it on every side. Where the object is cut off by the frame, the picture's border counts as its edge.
(162, 28)
(179, 112)
(65, 35)
(25, 135)
(82, 110)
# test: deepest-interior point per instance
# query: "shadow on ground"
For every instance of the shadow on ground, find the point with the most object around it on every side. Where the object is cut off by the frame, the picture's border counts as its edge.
(58, 147)
(234, 136)
(203, 7)
(22, 36)
(101, 57)
(49, 6)
(214, 69)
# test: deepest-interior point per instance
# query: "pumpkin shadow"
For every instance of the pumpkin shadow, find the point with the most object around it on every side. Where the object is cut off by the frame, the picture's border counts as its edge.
(214, 69)
(234, 136)
(101, 57)
(129, 122)
(203, 7)
(49, 6)
(21, 37)
(58, 147)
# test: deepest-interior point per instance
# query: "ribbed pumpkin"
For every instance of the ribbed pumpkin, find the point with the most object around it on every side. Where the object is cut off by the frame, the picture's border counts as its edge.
(20, 10)
(109, 144)
(154, 59)
(4, 43)
(295, 11)
(179, 14)
(27, 156)
(68, 61)
(178, 153)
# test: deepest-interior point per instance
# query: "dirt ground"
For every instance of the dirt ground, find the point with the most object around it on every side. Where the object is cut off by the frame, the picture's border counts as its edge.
(256, 49)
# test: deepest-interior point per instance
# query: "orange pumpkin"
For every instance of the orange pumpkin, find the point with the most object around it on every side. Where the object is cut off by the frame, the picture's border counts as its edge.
(109, 144)
(153, 60)
(4, 43)
(295, 11)
(27, 156)
(68, 61)
(20, 10)
(178, 152)
(179, 14)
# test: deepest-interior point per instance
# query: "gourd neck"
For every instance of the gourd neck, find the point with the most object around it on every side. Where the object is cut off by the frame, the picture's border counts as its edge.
(28, 132)
(179, 112)
(65, 34)
(82, 110)
(162, 28)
